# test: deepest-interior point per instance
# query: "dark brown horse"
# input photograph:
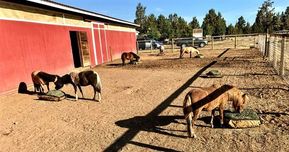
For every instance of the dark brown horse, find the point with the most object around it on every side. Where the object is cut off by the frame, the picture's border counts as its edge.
(132, 57)
(40, 79)
(209, 99)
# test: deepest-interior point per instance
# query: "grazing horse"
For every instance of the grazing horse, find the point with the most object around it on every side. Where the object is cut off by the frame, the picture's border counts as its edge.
(188, 50)
(209, 99)
(129, 56)
(40, 78)
(83, 78)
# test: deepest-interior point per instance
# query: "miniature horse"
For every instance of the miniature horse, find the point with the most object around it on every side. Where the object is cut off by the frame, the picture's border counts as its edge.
(129, 56)
(188, 50)
(209, 99)
(40, 78)
(84, 78)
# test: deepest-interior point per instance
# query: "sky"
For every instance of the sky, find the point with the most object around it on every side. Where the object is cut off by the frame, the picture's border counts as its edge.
(231, 10)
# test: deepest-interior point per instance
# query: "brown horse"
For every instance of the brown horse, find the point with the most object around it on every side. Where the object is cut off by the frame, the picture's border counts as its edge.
(187, 50)
(209, 99)
(129, 56)
(40, 78)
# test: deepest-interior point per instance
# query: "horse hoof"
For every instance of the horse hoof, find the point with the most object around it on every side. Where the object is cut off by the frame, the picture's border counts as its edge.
(194, 136)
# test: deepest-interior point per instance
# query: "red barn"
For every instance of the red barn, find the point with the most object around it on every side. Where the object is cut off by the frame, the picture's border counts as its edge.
(49, 36)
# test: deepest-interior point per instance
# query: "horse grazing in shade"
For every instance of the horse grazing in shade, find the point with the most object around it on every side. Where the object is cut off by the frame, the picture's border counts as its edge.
(40, 78)
(209, 99)
(129, 56)
(187, 50)
(83, 78)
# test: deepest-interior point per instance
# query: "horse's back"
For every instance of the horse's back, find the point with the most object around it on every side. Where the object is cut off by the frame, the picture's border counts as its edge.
(88, 78)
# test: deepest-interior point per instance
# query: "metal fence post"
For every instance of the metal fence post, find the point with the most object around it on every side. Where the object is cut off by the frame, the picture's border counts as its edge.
(282, 56)
(274, 52)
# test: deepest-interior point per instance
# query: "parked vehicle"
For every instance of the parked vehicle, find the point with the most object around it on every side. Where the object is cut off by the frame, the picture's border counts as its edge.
(198, 42)
(148, 44)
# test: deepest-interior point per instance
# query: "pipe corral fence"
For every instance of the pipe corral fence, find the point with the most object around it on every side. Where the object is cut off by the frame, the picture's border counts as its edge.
(274, 47)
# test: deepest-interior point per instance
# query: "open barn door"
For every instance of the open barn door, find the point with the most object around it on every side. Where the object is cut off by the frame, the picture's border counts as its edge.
(80, 49)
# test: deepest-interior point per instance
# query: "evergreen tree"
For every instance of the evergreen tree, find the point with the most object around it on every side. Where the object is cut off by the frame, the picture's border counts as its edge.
(277, 24)
(164, 27)
(240, 25)
(152, 27)
(230, 30)
(220, 29)
(210, 22)
(214, 24)
(140, 18)
(247, 29)
(194, 24)
(264, 18)
(285, 19)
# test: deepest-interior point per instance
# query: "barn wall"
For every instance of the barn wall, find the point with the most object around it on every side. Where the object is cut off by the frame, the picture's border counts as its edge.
(25, 47)
(119, 42)
(112, 40)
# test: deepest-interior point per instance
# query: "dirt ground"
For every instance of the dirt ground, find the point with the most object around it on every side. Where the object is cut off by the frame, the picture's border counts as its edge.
(141, 109)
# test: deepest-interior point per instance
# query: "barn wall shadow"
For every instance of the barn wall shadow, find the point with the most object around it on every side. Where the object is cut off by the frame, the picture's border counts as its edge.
(126, 137)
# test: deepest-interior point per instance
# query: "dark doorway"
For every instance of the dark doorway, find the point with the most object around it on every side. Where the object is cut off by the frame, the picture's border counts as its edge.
(75, 49)
(80, 48)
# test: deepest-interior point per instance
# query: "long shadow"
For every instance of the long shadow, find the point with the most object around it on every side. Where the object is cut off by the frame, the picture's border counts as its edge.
(150, 124)
(129, 134)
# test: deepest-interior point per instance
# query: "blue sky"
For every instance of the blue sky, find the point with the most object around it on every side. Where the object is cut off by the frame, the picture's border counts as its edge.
(231, 10)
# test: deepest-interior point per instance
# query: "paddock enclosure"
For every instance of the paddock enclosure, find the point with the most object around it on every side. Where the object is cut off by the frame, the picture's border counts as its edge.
(141, 108)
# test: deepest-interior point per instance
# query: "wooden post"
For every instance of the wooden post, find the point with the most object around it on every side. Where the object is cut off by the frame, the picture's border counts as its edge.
(137, 47)
(151, 42)
(235, 41)
(281, 70)
(173, 45)
(193, 41)
(269, 50)
(274, 52)
(254, 41)
(212, 39)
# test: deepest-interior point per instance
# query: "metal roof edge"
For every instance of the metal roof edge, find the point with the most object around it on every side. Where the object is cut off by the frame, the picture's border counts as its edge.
(81, 11)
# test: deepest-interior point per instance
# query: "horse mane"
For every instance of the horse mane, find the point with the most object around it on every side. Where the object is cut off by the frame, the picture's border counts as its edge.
(134, 55)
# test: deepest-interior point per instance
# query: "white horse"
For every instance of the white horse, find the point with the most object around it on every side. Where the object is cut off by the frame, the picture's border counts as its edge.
(188, 50)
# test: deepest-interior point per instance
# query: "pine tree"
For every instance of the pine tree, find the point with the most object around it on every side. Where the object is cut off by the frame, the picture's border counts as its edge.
(264, 18)
(230, 30)
(194, 24)
(240, 25)
(140, 18)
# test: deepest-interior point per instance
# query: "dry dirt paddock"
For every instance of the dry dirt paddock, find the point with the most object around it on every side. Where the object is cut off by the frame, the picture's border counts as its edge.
(141, 109)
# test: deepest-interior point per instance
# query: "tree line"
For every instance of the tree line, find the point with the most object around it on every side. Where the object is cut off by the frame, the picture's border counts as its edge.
(174, 26)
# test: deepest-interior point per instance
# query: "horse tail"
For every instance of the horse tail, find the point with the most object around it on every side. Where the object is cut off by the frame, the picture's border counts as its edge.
(98, 82)
(188, 113)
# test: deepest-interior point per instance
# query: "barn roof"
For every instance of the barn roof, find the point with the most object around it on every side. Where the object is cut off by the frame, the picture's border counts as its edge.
(88, 15)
